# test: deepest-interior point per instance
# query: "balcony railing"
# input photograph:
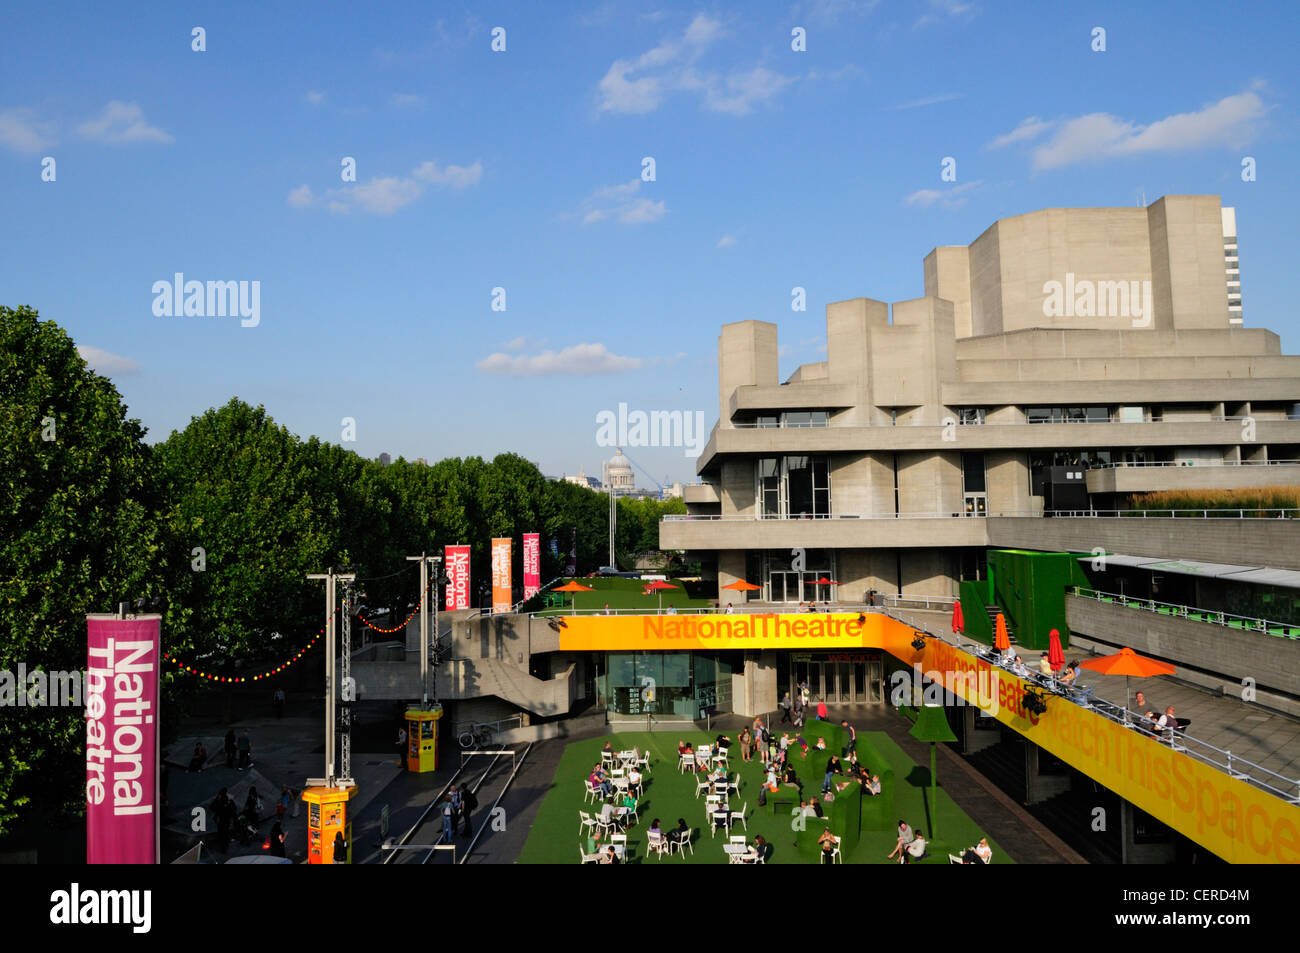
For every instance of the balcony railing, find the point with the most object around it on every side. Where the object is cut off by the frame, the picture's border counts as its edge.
(1225, 514)
(1289, 630)
(1219, 758)
(1198, 463)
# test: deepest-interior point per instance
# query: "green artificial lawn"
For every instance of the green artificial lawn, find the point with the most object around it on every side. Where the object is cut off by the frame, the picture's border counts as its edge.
(624, 594)
(670, 794)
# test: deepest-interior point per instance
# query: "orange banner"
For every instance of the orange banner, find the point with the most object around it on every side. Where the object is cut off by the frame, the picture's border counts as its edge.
(751, 630)
(501, 591)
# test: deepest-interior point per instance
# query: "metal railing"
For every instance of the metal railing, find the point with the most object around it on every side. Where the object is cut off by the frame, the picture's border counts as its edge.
(1245, 512)
(739, 608)
(1186, 463)
(1222, 759)
(1211, 616)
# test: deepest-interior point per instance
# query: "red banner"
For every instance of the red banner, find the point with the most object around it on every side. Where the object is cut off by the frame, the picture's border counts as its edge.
(122, 740)
(458, 575)
(501, 588)
(532, 564)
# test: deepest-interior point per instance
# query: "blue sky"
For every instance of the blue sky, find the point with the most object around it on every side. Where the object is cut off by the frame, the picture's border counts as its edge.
(522, 170)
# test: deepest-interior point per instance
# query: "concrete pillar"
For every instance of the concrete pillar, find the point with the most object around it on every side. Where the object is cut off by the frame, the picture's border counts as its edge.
(1134, 853)
(731, 566)
(1039, 787)
(760, 683)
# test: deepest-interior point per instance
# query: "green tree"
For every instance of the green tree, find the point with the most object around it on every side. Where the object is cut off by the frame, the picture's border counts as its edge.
(79, 511)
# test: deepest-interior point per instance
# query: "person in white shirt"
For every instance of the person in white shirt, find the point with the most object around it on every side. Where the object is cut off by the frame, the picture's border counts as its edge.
(730, 608)
(914, 850)
(983, 850)
(1018, 667)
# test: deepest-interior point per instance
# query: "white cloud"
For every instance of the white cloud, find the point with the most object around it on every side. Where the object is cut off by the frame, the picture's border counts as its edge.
(621, 203)
(950, 9)
(726, 241)
(1030, 128)
(301, 197)
(640, 85)
(388, 194)
(106, 363)
(22, 132)
(120, 123)
(1231, 121)
(579, 360)
(945, 198)
(315, 97)
(456, 176)
(829, 12)
(930, 101)
(402, 100)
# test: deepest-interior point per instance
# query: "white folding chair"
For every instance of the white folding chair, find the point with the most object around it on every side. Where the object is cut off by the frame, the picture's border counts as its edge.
(711, 804)
(618, 772)
(656, 843)
(835, 854)
(643, 762)
(702, 787)
(681, 845)
(620, 845)
(721, 756)
(720, 819)
(593, 793)
(740, 816)
(586, 821)
(954, 859)
(607, 758)
(588, 858)
(685, 761)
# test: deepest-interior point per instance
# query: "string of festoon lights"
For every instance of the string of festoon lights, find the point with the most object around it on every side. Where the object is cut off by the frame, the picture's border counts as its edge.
(283, 665)
(245, 678)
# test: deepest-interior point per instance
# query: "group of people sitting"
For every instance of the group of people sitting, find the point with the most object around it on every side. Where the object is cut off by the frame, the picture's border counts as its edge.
(1152, 722)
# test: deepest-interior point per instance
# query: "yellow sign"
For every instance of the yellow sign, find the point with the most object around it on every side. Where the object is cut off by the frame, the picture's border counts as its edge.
(720, 632)
(1239, 822)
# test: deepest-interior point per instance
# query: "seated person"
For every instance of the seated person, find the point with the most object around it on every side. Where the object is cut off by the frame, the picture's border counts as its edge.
(806, 809)
(1044, 665)
(682, 747)
(873, 786)
(821, 744)
(721, 819)
(1167, 721)
(610, 856)
(981, 853)
(200, 756)
(771, 781)
(841, 785)
(905, 837)
(681, 834)
(1018, 667)
(600, 783)
(1008, 655)
(723, 742)
(1071, 673)
(827, 842)
(608, 749)
(789, 777)
(759, 850)
(915, 850)
(633, 777)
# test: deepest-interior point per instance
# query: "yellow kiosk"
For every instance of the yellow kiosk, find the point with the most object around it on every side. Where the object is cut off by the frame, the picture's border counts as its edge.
(422, 739)
(327, 816)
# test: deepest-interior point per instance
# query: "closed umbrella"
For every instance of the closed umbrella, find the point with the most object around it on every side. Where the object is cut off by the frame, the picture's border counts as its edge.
(1055, 655)
(574, 586)
(659, 586)
(1000, 640)
(1128, 663)
(958, 623)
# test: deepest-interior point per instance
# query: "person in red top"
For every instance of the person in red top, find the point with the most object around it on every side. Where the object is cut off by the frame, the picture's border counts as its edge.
(821, 710)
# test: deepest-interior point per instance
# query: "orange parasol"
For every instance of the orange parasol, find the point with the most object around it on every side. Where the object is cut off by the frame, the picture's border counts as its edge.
(1000, 640)
(574, 586)
(1126, 662)
(741, 586)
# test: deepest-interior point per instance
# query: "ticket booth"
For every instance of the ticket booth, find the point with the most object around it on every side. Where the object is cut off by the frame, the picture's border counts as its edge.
(422, 739)
(328, 814)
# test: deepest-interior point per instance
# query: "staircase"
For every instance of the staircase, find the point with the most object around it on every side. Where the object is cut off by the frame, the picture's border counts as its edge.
(992, 612)
(1070, 816)
(1004, 765)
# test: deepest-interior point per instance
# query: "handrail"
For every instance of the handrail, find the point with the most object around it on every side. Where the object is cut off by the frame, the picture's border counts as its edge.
(1210, 616)
(1210, 418)
(1186, 463)
(1245, 512)
(1219, 758)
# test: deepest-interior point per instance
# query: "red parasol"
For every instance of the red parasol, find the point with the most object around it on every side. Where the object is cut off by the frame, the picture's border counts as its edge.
(1055, 655)
(958, 623)
(659, 586)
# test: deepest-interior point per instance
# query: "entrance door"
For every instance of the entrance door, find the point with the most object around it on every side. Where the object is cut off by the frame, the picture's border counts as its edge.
(784, 586)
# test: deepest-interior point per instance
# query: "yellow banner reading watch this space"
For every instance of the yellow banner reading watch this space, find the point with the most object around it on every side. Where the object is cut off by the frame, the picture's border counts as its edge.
(1237, 821)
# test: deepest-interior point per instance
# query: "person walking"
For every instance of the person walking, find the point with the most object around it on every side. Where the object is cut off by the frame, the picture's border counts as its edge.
(798, 709)
(277, 840)
(786, 704)
(277, 702)
(245, 745)
(401, 747)
(230, 748)
(223, 810)
(468, 803)
(448, 815)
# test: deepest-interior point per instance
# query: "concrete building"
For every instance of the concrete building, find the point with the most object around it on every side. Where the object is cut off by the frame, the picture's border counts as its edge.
(581, 479)
(1063, 360)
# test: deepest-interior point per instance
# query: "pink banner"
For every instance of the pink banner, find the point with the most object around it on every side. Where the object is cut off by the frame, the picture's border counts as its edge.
(532, 564)
(122, 740)
(458, 574)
